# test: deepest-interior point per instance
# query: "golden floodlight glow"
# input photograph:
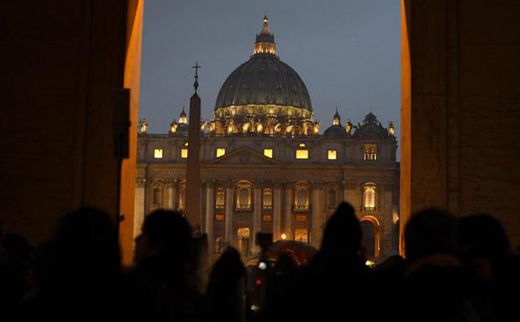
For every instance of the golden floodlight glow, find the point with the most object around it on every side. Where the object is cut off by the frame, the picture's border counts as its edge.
(158, 153)
(184, 153)
(302, 154)
(268, 153)
(333, 155)
(220, 152)
(284, 236)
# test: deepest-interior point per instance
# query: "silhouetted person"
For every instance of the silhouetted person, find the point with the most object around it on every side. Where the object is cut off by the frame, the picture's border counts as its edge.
(335, 284)
(14, 272)
(225, 295)
(161, 276)
(78, 272)
(487, 254)
(388, 277)
(435, 286)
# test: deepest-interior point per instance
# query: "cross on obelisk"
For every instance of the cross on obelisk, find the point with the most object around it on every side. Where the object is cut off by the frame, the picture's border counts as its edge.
(193, 189)
(196, 84)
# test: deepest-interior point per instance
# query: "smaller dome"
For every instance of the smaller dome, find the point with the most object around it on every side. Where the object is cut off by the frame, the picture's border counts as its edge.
(335, 131)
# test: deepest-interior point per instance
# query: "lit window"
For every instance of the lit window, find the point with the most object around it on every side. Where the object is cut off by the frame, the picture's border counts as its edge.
(158, 153)
(184, 150)
(301, 200)
(267, 218)
(333, 154)
(243, 197)
(268, 153)
(302, 154)
(369, 197)
(220, 152)
(219, 200)
(370, 152)
(220, 217)
(302, 145)
(268, 199)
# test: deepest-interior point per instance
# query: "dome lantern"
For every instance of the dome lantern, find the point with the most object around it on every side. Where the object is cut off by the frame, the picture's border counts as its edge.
(183, 119)
(336, 120)
(264, 43)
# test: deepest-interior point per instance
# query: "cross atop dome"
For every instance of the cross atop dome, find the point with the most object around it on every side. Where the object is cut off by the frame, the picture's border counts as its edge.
(265, 29)
(264, 43)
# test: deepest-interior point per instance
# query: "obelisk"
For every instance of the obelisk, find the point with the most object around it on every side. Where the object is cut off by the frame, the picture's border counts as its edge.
(193, 168)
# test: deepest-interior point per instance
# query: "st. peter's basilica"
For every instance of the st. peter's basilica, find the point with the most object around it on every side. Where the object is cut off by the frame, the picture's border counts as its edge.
(266, 166)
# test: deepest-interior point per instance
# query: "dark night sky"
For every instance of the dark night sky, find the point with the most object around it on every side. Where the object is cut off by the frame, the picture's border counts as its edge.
(346, 51)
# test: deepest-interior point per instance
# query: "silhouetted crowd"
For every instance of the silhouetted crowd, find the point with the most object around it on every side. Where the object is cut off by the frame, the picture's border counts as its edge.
(455, 270)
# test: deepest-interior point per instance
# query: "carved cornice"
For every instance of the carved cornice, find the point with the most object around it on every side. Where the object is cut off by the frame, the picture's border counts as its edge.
(140, 183)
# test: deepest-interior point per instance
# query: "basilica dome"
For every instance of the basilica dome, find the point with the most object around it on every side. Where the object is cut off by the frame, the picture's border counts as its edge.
(264, 80)
(264, 96)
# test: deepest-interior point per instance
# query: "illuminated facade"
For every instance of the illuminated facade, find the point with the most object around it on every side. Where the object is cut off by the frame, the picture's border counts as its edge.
(266, 167)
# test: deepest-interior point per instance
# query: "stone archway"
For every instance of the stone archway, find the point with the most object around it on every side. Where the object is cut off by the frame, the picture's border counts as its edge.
(371, 236)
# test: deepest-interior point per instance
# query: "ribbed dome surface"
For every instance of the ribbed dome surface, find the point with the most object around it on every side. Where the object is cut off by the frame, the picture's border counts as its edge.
(264, 79)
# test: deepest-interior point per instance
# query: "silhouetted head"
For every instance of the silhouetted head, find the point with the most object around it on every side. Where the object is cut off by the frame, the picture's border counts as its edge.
(431, 231)
(228, 268)
(1, 230)
(87, 238)
(342, 233)
(482, 236)
(18, 248)
(165, 234)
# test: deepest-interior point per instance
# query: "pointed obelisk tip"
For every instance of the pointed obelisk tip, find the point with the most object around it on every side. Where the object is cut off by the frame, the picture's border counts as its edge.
(196, 83)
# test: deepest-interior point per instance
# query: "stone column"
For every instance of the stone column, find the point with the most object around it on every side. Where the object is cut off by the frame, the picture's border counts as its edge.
(209, 214)
(317, 216)
(169, 202)
(386, 220)
(140, 186)
(257, 216)
(175, 197)
(288, 212)
(344, 191)
(229, 234)
(277, 213)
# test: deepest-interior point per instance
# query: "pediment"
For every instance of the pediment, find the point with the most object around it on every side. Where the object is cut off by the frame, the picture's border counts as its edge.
(244, 156)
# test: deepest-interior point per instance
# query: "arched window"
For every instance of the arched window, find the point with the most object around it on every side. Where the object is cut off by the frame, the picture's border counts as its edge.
(331, 198)
(267, 202)
(369, 197)
(243, 200)
(301, 200)
(182, 196)
(220, 198)
(218, 245)
(157, 196)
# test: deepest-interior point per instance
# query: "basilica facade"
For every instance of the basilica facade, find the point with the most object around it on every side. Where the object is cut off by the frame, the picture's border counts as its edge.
(268, 166)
